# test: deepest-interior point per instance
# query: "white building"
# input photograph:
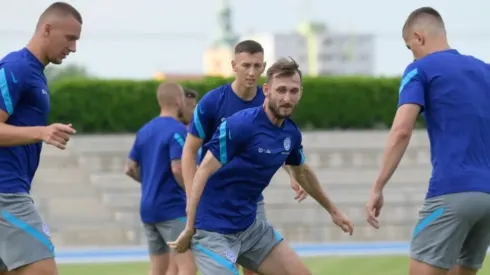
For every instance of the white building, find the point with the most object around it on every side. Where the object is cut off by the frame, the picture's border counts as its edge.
(321, 52)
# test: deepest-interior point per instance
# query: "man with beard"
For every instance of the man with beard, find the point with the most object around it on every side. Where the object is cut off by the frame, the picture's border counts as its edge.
(154, 161)
(223, 102)
(243, 155)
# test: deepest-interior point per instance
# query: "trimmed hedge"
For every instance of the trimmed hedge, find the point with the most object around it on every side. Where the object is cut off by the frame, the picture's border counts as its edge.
(118, 106)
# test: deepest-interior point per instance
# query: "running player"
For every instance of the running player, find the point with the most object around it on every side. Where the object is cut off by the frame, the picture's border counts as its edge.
(26, 247)
(154, 161)
(245, 152)
(452, 91)
(222, 102)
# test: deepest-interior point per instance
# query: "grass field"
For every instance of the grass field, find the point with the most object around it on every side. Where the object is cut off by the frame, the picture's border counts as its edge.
(372, 265)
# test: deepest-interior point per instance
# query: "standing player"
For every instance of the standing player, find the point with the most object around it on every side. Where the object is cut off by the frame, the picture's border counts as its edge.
(190, 103)
(453, 93)
(224, 101)
(245, 152)
(154, 161)
(26, 247)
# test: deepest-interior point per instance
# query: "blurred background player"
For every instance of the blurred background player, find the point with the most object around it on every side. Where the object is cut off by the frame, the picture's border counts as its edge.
(154, 161)
(245, 152)
(224, 101)
(190, 103)
(26, 247)
(453, 93)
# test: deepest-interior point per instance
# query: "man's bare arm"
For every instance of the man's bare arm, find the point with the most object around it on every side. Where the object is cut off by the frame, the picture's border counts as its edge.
(398, 140)
(132, 170)
(13, 135)
(176, 166)
(189, 165)
(301, 194)
(307, 179)
(287, 169)
(208, 166)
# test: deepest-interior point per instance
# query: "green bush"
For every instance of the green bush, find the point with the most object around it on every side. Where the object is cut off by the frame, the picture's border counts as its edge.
(118, 106)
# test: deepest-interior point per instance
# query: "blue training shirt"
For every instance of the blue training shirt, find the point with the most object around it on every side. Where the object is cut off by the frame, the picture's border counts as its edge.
(454, 93)
(214, 107)
(157, 143)
(250, 149)
(24, 96)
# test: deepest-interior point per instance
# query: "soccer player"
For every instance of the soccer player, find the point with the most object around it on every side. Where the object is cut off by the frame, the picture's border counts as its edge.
(243, 155)
(452, 91)
(224, 101)
(154, 161)
(26, 247)
(190, 103)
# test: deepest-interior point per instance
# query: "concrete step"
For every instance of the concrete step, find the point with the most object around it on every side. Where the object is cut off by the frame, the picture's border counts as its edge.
(92, 235)
(59, 221)
(357, 176)
(122, 203)
(104, 162)
(111, 182)
(101, 143)
(358, 139)
(48, 190)
(354, 157)
(127, 217)
(61, 175)
(74, 205)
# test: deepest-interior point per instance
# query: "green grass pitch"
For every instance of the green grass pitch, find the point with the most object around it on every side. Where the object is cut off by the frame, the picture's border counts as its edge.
(366, 265)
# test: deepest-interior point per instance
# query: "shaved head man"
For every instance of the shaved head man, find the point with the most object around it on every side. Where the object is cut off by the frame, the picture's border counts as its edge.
(154, 161)
(452, 92)
(57, 32)
(424, 32)
(24, 111)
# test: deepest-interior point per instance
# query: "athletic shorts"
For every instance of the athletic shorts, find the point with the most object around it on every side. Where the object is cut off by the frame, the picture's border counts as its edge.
(158, 234)
(261, 211)
(24, 237)
(453, 229)
(217, 254)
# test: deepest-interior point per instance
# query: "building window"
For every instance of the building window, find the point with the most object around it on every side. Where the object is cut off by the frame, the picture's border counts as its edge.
(325, 57)
(327, 41)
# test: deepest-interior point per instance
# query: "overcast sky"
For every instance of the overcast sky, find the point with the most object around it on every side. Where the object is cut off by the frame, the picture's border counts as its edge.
(134, 39)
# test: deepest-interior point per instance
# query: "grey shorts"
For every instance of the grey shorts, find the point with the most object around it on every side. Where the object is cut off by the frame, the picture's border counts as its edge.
(261, 211)
(453, 229)
(217, 254)
(158, 234)
(24, 237)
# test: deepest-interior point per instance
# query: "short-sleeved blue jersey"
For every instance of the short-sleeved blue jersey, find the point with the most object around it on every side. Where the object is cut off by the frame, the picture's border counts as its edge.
(250, 149)
(157, 143)
(24, 96)
(214, 107)
(454, 93)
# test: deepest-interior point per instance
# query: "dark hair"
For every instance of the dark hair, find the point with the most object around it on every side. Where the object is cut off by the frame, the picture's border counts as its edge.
(284, 67)
(249, 46)
(189, 93)
(421, 12)
(63, 8)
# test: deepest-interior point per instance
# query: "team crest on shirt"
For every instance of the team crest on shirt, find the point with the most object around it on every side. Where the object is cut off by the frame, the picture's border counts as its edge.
(287, 144)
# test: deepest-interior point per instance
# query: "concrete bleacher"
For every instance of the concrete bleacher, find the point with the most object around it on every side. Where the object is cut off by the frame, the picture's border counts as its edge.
(87, 200)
